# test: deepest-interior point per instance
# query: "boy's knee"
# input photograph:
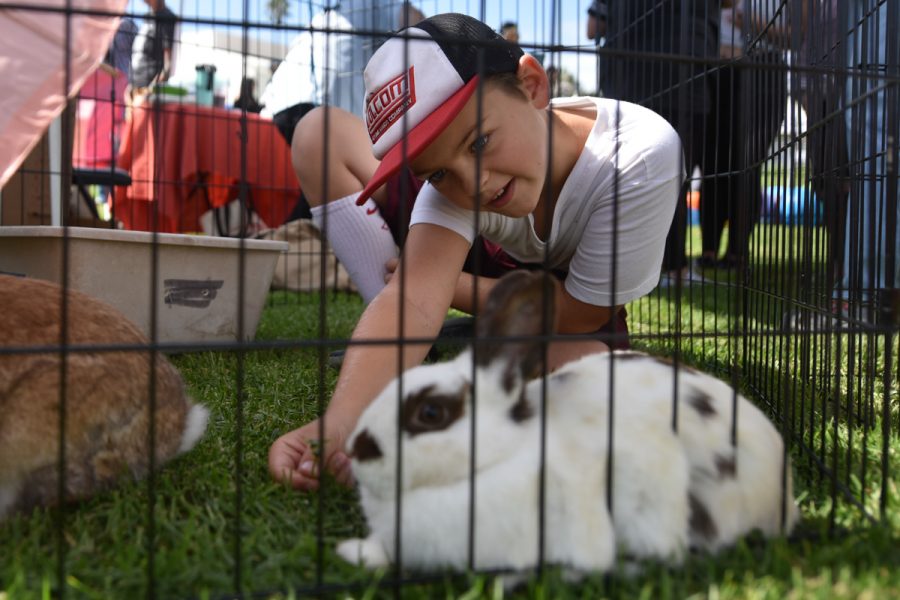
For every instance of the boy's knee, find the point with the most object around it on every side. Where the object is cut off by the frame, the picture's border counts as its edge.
(336, 138)
(325, 126)
(326, 131)
(309, 131)
(310, 145)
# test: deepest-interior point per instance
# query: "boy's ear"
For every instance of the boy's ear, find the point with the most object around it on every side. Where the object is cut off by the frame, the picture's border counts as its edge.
(533, 80)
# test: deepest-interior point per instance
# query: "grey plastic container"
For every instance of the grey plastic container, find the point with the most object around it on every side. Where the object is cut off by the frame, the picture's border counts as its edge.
(197, 280)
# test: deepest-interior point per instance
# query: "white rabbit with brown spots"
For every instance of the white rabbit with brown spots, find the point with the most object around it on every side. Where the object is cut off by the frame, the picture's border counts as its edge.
(107, 392)
(678, 482)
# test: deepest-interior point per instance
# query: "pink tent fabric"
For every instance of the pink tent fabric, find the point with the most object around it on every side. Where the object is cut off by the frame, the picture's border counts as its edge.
(34, 62)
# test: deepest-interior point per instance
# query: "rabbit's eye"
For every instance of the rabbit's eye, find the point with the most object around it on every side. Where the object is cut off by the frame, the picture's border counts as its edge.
(431, 414)
(425, 410)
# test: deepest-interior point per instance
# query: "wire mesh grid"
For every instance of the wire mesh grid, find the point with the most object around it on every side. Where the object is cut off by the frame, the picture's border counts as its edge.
(779, 276)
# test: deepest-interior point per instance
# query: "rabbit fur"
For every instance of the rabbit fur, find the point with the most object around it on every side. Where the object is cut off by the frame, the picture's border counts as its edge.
(107, 406)
(672, 489)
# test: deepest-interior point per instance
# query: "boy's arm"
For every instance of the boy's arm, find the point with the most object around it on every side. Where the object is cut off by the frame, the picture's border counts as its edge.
(467, 287)
(421, 290)
(432, 260)
(466, 290)
(575, 316)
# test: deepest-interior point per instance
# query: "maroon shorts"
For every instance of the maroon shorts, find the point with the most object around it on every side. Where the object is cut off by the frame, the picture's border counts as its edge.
(485, 258)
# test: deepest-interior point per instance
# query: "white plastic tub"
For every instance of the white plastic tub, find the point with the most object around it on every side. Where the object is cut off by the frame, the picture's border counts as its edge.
(197, 280)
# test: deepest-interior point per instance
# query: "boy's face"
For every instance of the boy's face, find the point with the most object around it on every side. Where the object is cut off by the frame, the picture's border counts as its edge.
(512, 144)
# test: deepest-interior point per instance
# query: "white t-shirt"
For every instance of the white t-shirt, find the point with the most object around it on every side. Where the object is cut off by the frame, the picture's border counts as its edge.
(304, 76)
(618, 201)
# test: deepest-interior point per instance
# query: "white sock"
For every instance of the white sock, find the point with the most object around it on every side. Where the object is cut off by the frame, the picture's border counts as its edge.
(361, 240)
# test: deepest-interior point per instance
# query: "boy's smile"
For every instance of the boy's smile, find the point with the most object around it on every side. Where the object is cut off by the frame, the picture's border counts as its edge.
(503, 196)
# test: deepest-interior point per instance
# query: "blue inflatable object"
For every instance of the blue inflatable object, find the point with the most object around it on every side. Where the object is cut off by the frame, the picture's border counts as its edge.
(693, 216)
(790, 206)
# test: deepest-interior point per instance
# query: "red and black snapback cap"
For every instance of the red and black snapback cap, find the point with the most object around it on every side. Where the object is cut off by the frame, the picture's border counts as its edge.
(420, 79)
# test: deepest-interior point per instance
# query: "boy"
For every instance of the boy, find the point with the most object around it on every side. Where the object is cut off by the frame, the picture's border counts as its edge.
(571, 184)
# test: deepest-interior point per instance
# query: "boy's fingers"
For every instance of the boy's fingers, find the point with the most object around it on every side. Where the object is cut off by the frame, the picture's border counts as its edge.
(293, 443)
(292, 461)
(286, 455)
(338, 462)
(279, 462)
(309, 467)
(341, 468)
(306, 479)
(298, 481)
(308, 463)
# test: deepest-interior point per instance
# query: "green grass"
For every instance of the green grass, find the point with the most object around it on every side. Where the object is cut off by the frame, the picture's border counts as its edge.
(219, 522)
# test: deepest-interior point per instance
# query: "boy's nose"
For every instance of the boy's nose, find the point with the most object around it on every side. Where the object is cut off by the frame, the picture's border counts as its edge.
(476, 185)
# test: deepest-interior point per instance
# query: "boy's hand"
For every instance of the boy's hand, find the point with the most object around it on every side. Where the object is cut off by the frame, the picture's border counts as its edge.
(294, 460)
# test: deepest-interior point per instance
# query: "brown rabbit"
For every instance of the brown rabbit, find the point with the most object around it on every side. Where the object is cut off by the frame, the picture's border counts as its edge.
(107, 398)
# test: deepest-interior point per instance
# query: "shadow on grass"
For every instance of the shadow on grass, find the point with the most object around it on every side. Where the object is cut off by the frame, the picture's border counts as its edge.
(806, 565)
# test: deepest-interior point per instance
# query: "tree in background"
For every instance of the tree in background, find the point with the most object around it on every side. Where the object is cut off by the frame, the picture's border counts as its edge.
(278, 10)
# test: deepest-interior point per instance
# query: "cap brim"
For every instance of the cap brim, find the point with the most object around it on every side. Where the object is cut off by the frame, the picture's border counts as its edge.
(418, 138)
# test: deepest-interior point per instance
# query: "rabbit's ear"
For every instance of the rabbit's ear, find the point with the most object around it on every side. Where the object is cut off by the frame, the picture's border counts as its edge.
(520, 306)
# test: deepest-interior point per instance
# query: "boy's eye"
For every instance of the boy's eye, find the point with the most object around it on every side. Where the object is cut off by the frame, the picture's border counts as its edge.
(479, 143)
(436, 177)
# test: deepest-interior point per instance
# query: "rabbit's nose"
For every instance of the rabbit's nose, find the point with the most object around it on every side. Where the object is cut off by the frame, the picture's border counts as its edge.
(365, 447)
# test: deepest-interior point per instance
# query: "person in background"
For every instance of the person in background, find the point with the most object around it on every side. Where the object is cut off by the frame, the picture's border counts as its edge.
(749, 97)
(152, 59)
(820, 95)
(677, 90)
(379, 18)
(339, 84)
(871, 265)
(857, 39)
(119, 54)
(104, 94)
(117, 64)
(596, 32)
(303, 79)
(596, 22)
(510, 32)
(246, 100)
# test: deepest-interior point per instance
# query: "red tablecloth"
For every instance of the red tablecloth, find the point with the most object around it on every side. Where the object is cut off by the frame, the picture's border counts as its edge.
(184, 159)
